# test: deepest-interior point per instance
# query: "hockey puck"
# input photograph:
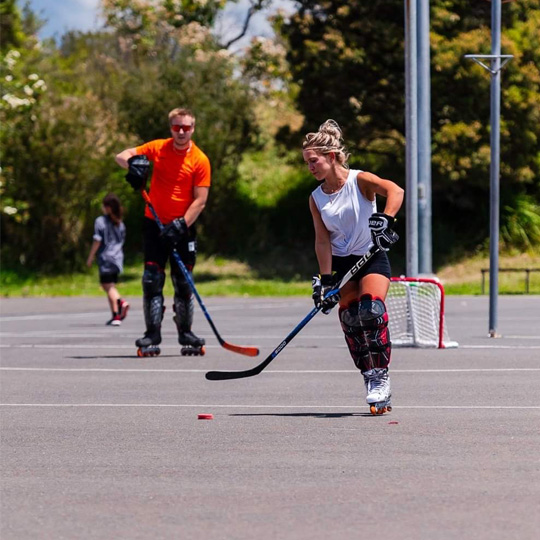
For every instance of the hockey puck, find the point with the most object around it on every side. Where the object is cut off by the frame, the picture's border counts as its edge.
(393, 422)
(205, 416)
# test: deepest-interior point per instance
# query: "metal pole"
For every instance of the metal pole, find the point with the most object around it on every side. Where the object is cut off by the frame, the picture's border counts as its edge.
(494, 199)
(494, 170)
(424, 141)
(411, 135)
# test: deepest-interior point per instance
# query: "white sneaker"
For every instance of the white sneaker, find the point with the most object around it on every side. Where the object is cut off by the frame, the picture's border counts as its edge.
(115, 321)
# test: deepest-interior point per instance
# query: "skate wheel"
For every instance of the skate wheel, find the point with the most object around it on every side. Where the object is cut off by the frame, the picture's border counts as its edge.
(190, 351)
(373, 410)
(141, 353)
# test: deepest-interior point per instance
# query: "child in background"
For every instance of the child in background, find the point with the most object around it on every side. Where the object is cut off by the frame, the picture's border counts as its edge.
(109, 237)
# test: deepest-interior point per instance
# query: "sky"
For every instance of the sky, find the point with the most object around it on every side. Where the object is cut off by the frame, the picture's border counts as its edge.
(64, 15)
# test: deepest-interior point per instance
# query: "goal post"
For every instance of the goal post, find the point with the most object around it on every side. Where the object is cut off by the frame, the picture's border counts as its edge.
(416, 313)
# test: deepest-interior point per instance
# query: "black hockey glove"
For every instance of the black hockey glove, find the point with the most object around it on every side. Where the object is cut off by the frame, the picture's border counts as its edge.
(322, 285)
(382, 233)
(138, 170)
(174, 231)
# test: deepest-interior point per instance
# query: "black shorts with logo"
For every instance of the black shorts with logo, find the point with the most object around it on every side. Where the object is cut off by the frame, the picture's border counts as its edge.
(158, 251)
(378, 264)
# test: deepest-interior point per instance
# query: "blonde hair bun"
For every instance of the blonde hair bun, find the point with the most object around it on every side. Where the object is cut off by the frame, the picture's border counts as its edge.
(328, 139)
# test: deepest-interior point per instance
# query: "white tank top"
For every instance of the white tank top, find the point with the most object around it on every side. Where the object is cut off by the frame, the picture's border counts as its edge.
(345, 214)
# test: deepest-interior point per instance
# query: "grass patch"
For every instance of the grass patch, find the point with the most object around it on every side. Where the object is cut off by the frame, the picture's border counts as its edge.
(216, 276)
(465, 277)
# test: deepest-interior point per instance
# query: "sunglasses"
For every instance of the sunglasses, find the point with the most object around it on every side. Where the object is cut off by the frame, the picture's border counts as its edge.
(177, 127)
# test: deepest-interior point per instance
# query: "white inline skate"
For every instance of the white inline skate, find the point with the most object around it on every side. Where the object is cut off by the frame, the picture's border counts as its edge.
(377, 383)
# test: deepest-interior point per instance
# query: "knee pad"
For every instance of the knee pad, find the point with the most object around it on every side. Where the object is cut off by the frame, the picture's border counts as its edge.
(180, 285)
(373, 319)
(354, 337)
(153, 279)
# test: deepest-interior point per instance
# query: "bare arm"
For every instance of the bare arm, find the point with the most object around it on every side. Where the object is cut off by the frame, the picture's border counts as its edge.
(323, 248)
(122, 157)
(93, 251)
(200, 195)
(370, 184)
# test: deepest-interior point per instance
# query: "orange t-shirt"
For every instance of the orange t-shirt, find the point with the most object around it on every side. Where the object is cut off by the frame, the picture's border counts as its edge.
(174, 176)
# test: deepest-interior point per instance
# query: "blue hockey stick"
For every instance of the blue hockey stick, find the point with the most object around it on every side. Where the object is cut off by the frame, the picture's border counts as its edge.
(225, 375)
(247, 351)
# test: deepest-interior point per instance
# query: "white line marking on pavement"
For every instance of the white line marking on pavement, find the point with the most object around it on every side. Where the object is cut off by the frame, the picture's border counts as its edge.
(313, 406)
(340, 346)
(120, 333)
(69, 316)
(275, 371)
(520, 337)
(46, 316)
(513, 347)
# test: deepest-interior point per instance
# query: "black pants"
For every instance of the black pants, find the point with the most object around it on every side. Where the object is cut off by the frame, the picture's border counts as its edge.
(156, 253)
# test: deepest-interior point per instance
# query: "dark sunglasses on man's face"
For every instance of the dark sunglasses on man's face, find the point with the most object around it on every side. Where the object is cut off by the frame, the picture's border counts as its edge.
(177, 127)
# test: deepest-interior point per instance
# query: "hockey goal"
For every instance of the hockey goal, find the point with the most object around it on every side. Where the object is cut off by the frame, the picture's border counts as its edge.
(416, 313)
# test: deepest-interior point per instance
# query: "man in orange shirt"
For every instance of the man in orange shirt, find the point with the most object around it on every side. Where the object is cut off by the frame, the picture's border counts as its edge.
(179, 189)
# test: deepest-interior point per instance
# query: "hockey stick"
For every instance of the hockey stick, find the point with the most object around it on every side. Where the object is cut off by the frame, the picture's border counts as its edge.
(226, 375)
(247, 351)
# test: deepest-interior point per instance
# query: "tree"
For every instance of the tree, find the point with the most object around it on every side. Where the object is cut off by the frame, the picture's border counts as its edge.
(98, 93)
(348, 61)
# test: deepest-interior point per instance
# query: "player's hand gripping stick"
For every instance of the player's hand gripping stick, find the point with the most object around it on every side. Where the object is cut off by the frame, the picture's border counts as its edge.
(226, 375)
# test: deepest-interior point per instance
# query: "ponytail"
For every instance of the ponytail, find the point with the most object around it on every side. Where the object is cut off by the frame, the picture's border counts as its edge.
(112, 202)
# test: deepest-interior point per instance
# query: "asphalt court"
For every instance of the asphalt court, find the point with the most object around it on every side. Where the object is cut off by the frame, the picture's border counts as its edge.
(98, 443)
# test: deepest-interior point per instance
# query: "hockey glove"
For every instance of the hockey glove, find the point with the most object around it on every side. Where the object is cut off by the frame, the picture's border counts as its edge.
(138, 170)
(322, 285)
(174, 231)
(382, 234)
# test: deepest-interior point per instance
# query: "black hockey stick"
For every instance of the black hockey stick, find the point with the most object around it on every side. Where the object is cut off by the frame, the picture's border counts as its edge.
(226, 375)
(247, 351)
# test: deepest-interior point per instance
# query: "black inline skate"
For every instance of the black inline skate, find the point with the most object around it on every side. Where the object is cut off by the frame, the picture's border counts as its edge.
(148, 345)
(191, 344)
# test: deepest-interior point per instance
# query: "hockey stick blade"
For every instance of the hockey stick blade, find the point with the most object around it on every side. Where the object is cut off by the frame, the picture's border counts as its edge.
(228, 375)
(239, 349)
(246, 351)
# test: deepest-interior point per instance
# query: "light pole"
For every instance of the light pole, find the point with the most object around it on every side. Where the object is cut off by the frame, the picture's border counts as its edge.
(411, 138)
(425, 259)
(494, 170)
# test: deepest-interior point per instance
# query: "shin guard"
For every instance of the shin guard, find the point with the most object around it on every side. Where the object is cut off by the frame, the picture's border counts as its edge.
(152, 281)
(183, 303)
(374, 324)
(354, 337)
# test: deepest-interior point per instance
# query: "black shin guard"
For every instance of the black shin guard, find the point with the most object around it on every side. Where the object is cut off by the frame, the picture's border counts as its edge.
(354, 337)
(373, 319)
(152, 281)
(183, 303)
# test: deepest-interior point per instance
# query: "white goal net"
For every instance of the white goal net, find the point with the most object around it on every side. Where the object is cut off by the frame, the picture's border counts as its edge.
(416, 313)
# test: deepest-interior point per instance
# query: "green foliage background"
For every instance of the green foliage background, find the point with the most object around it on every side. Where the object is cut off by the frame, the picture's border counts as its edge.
(67, 108)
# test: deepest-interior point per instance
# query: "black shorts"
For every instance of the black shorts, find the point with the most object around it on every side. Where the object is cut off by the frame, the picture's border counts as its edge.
(158, 251)
(108, 277)
(378, 264)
